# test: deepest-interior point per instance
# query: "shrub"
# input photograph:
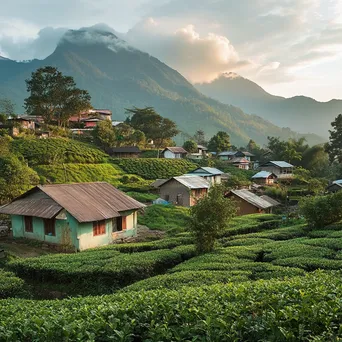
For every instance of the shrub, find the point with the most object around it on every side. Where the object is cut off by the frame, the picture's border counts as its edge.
(57, 150)
(10, 285)
(142, 197)
(98, 270)
(155, 168)
(320, 211)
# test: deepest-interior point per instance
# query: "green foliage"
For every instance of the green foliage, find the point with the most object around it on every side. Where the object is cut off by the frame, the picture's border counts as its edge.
(97, 270)
(54, 96)
(80, 173)
(151, 168)
(219, 142)
(320, 211)
(104, 134)
(56, 151)
(6, 108)
(276, 192)
(15, 177)
(190, 146)
(143, 197)
(154, 126)
(335, 140)
(10, 285)
(165, 217)
(209, 217)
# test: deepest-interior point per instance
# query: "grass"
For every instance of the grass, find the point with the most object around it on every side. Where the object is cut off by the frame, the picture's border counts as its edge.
(167, 218)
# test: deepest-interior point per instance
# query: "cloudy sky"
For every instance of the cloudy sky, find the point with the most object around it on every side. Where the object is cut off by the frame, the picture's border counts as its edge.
(290, 47)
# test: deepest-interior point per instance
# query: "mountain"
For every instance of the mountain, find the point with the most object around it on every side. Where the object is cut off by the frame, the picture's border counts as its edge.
(119, 76)
(300, 113)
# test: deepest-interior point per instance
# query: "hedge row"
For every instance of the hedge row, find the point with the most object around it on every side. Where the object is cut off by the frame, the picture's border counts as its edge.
(57, 150)
(299, 309)
(155, 168)
(96, 270)
(10, 285)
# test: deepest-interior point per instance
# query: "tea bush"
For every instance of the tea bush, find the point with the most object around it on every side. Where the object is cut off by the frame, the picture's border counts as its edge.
(154, 168)
(57, 150)
(298, 309)
(10, 285)
(96, 269)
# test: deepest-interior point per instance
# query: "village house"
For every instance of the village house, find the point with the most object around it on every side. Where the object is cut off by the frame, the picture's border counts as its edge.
(183, 191)
(335, 186)
(281, 169)
(240, 163)
(201, 153)
(124, 152)
(174, 153)
(82, 216)
(227, 155)
(211, 174)
(264, 178)
(250, 203)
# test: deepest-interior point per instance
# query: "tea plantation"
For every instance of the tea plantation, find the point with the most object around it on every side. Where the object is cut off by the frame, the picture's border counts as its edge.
(267, 280)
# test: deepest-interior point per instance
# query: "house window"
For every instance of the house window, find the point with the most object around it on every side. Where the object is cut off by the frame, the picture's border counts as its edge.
(198, 192)
(28, 224)
(167, 198)
(49, 227)
(99, 228)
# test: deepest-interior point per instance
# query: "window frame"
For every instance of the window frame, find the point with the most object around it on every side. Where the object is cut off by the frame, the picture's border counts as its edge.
(99, 228)
(28, 227)
(50, 227)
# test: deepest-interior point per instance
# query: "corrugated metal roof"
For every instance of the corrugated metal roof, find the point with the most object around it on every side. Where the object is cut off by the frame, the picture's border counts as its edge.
(193, 182)
(239, 160)
(338, 181)
(279, 163)
(176, 150)
(270, 200)
(89, 202)
(202, 147)
(262, 174)
(227, 153)
(252, 199)
(248, 154)
(207, 171)
(38, 207)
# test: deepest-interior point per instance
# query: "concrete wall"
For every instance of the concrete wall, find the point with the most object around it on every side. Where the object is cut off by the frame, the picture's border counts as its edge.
(170, 190)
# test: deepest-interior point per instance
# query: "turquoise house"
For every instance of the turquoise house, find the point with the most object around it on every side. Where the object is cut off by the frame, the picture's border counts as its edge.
(83, 215)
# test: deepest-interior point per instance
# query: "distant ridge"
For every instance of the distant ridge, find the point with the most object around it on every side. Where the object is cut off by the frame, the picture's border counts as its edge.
(300, 113)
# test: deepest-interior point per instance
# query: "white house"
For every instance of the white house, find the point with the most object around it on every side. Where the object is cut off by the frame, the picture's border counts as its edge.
(174, 153)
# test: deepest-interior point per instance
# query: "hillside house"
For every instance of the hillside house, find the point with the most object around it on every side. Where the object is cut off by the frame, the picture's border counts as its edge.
(124, 152)
(335, 186)
(227, 155)
(183, 191)
(211, 174)
(25, 121)
(174, 153)
(264, 178)
(281, 169)
(201, 153)
(250, 203)
(240, 163)
(82, 216)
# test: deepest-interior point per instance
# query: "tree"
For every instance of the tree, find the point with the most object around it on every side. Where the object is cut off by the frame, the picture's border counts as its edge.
(54, 96)
(15, 177)
(5, 145)
(219, 142)
(6, 109)
(154, 126)
(209, 217)
(334, 147)
(104, 134)
(190, 146)
(199, 137)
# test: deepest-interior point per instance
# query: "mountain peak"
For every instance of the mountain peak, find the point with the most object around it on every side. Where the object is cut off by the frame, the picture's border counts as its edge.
(231, 75)
(99, 34)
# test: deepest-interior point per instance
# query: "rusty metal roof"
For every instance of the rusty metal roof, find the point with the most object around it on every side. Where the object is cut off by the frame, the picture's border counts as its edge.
(38, 207)
(270, 199)
(87, 202)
